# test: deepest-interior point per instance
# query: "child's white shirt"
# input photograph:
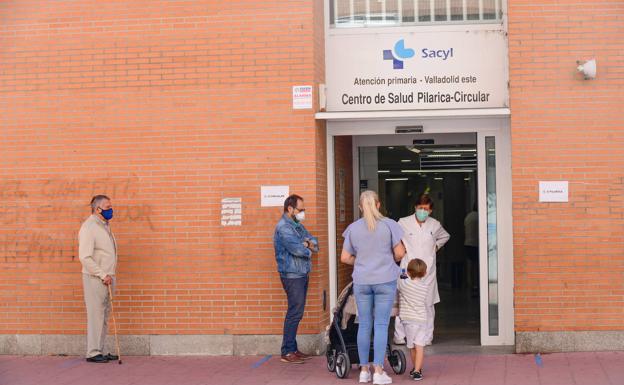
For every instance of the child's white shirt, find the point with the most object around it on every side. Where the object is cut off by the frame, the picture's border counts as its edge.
(413, 299)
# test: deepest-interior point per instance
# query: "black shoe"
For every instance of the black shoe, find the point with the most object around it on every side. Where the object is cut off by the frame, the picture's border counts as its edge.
(99, 359)
(111, 357)
(416, 376)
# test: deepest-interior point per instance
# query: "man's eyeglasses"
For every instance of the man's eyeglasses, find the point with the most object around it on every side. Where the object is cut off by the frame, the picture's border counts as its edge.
(300, 210)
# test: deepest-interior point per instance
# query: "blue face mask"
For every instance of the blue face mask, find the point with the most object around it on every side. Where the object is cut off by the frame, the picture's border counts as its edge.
(422, 215)
(107, 214)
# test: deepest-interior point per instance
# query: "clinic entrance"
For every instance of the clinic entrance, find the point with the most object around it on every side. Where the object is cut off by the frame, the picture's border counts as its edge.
(464, 167)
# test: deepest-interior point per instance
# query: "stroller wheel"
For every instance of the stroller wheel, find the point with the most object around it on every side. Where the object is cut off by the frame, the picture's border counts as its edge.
(342, 365)
(397, 361)
(330, 354)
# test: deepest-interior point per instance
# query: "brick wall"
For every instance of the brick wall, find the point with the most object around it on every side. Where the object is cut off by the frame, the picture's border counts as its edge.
(167, 107)
(569, 257)
(343, 152)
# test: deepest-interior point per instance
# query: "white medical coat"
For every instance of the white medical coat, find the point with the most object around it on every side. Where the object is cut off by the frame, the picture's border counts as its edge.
(420, 242)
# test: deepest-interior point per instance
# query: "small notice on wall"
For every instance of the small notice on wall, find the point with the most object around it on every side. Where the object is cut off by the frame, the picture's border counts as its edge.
(273, 196)
(553, 191)
(231, 212)
(302, 97)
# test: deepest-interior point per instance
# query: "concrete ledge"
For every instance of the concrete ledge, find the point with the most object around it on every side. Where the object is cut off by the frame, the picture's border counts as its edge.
(157, 345)
(189, 345)
(553, 342)
(245, 345)
(183, 345)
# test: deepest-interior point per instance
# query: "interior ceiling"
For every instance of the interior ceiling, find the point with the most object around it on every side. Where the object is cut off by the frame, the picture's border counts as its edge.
(427, 157)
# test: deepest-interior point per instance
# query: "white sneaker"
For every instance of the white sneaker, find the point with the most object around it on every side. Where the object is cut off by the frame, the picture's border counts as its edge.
(381, 379)
(365, 376)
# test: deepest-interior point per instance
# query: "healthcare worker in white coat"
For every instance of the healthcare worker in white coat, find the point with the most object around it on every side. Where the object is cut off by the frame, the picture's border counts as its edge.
(423, 237)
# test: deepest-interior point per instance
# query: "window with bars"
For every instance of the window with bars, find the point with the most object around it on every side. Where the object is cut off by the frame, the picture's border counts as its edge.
(379, 13)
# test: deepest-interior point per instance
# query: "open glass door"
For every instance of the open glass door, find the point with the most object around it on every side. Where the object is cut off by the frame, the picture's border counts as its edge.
(443, 166)
(490, 137)
(496, 259)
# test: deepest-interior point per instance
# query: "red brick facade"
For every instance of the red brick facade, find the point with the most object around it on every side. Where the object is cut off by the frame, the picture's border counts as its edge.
(568, 257)
(169, 107)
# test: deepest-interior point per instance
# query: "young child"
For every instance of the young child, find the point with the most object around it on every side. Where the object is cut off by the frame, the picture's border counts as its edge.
(413, 310)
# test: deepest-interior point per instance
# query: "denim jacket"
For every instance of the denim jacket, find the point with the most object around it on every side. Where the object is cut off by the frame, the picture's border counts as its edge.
(293, 258)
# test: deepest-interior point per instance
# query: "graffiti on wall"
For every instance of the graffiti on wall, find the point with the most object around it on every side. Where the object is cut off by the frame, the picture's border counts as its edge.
(40, 221)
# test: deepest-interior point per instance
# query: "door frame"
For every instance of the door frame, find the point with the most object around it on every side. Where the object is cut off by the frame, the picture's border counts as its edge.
(497, 126)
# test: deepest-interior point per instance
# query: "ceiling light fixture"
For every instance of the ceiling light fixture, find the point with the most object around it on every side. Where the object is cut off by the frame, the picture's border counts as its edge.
(456, 150)
(443, 156)
(423, 171)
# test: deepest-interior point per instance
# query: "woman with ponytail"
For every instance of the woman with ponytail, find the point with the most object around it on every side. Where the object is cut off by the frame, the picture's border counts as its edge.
(373, 246)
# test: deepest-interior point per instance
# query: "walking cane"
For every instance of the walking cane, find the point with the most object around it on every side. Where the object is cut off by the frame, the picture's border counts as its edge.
(110, 297)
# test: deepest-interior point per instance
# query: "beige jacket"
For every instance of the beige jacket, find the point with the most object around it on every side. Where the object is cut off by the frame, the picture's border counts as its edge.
(97, 248)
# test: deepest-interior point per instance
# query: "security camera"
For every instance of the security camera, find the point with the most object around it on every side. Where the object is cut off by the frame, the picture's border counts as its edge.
(588, 68)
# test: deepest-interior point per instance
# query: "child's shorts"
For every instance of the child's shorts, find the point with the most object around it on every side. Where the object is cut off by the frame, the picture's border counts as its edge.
(416, 334)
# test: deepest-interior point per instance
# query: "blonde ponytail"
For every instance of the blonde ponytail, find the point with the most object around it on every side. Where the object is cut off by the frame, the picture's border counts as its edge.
(368, 205)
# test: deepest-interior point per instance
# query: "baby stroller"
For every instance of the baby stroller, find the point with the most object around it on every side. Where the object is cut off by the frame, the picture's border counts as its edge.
(342, 350)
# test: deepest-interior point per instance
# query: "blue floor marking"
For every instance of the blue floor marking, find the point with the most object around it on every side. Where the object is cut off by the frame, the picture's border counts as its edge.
(538, 360)
(71, 363)
(262, 361)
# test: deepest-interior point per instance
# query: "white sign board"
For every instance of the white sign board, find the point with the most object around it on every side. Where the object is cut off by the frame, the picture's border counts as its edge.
(414, 71)
(273, 196)
(231, 212)
(553, 191)
(302, 97)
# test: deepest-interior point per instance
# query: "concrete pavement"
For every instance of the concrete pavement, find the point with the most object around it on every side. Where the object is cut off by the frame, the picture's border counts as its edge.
(592, 368)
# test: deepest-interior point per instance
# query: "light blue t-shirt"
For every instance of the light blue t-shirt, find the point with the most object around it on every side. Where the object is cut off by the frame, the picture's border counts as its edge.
(374, 258)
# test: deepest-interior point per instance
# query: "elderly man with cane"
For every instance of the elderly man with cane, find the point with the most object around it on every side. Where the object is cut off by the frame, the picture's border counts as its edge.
(98, 255)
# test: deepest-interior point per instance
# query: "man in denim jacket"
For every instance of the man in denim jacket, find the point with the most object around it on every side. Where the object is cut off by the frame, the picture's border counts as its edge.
(294, 246)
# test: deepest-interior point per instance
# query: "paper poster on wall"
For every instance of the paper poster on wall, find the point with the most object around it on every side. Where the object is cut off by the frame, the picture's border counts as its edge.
(553, 191)
(302, 97)
(273, 196)
(231, 212)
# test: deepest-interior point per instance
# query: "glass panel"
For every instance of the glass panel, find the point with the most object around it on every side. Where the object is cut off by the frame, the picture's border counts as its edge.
(489, 9)
(376, 16)
(381, 13)
(457, 10)
(408, 11)
(359, 12)
(440, 10)
(424, 10)
(492, 241)
(392, 12)
(472, 9)
(343, 11)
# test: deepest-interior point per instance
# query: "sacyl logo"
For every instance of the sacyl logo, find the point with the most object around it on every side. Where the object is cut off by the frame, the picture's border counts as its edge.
(400, 52)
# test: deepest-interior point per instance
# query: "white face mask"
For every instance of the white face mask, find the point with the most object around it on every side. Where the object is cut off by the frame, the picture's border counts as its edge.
(300, 216)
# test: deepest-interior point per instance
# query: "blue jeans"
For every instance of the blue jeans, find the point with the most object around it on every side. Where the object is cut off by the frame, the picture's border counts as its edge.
(374, 303)
(296, 291)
